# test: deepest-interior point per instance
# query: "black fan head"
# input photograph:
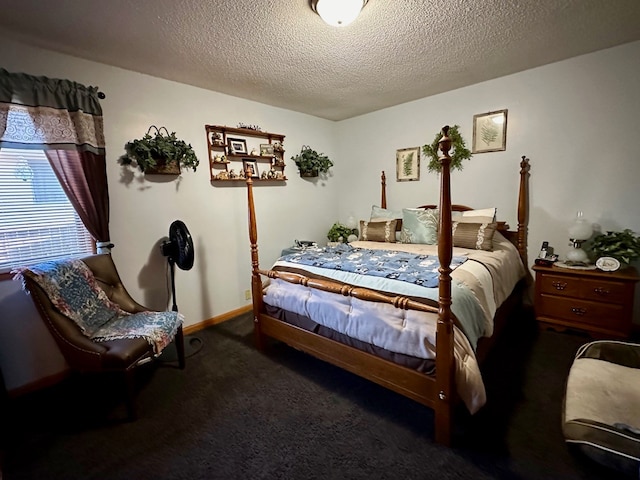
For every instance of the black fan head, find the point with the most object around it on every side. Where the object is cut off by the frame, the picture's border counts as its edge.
(179, 247)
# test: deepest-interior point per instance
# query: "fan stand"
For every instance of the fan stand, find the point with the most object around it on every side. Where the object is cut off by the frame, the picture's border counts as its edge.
(172, 267)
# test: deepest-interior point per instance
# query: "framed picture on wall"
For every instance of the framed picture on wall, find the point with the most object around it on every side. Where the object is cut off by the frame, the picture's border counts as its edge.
(408, 164)
(266, 150)
(490, 132)
(250, 168)
(237, 146)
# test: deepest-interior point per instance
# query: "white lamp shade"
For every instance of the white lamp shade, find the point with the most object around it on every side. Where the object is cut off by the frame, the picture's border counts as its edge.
(580, 229)
(339, 13)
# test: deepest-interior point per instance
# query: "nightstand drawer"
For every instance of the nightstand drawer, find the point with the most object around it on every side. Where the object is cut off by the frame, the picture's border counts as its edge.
(601, 290)
(609, 315)
(559, 285)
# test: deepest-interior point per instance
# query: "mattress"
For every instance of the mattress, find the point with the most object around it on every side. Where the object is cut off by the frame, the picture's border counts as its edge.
(479, 286)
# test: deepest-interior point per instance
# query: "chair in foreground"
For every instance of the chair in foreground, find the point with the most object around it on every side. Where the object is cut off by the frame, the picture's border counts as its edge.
(601, 415)
(95, 322)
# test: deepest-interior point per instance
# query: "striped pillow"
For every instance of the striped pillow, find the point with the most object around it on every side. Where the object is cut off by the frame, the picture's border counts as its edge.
(476, 236)
(384, 231)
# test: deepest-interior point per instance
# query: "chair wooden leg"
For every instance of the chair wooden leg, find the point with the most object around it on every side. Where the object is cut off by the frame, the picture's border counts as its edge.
(179, 341)
(130, 388)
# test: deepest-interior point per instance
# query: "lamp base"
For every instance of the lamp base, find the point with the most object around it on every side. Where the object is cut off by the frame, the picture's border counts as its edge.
(577, 255)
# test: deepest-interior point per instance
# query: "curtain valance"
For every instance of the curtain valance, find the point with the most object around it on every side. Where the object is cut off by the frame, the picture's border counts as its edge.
(48, 113)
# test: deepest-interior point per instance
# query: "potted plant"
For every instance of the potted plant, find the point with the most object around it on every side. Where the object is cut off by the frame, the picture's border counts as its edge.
(624, 246)
(339, 232)
(159, 153)
(311, 163)
(458, 145)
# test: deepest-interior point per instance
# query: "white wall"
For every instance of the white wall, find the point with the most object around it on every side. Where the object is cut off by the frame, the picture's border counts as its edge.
(576, 120)
(142, 210)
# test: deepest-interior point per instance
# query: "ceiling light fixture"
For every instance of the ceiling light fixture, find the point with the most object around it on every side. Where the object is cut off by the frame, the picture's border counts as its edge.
(338, 13)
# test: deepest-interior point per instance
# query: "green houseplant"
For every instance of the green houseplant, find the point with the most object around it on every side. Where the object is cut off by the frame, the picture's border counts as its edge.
(623, 246)
(160, 152)
(458, 145)
(311, 163)
(338, 231)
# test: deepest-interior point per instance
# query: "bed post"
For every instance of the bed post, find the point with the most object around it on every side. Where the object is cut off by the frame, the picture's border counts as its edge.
(256, 282)
(523, 209)
(444, 334)
(383, 181)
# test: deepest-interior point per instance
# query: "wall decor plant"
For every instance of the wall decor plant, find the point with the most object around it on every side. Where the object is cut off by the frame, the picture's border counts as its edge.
(159, 151)
(311, 163)
(459, 150)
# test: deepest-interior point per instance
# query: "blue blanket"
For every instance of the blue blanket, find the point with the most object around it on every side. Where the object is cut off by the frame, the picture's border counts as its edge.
(407, 267)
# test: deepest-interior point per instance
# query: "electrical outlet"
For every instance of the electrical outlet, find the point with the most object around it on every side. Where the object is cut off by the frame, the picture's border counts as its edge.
(247, 294)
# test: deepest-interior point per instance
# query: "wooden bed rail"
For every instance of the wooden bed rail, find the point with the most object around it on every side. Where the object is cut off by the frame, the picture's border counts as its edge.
(360, 293)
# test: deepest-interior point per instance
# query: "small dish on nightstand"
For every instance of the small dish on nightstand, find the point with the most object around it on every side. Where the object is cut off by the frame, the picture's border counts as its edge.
(608, 264)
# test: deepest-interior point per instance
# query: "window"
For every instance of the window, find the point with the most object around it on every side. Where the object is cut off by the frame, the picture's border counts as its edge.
(37, 221)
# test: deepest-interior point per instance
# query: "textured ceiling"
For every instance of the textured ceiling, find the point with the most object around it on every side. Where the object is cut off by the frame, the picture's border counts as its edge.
(279, 52)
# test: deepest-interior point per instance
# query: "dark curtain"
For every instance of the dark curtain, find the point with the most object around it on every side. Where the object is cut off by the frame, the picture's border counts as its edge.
(63, 118)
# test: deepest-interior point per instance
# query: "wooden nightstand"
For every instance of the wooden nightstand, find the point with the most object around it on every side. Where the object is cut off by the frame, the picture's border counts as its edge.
(600, 303)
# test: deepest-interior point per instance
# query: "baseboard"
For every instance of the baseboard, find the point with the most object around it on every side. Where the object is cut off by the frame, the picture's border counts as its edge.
(215, 320)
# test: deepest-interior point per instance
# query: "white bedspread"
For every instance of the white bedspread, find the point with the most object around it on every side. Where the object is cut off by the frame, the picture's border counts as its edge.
(490, 276)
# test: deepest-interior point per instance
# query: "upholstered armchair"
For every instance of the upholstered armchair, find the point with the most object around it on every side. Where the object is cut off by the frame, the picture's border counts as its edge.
(85, 355)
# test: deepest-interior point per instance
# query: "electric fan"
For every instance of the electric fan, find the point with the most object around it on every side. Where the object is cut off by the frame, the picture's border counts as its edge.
(179, 251)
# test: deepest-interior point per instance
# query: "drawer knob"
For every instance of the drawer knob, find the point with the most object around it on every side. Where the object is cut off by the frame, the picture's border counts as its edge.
(559, 285)
(579, 311)
(603, 292)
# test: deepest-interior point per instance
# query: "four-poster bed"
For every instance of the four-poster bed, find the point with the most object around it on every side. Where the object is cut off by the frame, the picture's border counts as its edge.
(444, 381)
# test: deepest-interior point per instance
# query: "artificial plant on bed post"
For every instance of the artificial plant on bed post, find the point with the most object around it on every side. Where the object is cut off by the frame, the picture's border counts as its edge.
(444, 333)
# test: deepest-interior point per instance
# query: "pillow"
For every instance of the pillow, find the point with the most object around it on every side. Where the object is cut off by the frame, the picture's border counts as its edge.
(379, 212)
(476, 236)
(486, 215)
(419, 226)
(384, 231)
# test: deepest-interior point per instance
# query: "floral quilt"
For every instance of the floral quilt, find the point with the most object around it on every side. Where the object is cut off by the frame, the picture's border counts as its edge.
(404, 266)
(74, 291)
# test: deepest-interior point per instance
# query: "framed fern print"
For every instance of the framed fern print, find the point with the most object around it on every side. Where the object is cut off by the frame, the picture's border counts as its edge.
(490, 132)
(408, 164)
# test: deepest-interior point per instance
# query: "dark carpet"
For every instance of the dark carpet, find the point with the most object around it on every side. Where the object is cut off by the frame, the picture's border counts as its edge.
(235, 413)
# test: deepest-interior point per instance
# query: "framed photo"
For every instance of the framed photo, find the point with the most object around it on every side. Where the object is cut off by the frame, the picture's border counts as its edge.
(408, 164)
(250, 168)
(237, 146)
(490, 132)
(266, 150)
(215, 139)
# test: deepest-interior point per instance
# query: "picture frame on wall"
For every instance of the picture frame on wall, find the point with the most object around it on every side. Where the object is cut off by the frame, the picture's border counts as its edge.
(237, 146)
(490, 132)
(408, 164)
(266, 150)
(250, 168)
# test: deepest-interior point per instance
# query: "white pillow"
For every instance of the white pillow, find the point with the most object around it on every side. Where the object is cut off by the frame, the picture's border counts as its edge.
(485, 215)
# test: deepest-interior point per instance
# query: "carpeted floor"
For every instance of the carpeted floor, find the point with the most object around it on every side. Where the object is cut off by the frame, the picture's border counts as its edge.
(235, 413)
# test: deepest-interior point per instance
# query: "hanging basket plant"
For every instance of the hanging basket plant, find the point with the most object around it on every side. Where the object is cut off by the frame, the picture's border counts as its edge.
(458, 146)
(311, 163)
(159, 151)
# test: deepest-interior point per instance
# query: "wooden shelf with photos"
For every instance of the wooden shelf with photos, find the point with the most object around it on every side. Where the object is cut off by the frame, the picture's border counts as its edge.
(235, 151)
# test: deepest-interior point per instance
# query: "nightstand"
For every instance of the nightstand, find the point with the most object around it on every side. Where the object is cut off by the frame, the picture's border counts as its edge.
(597, 302)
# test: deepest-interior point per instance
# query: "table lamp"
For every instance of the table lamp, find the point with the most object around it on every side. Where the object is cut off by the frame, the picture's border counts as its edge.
(580, 231)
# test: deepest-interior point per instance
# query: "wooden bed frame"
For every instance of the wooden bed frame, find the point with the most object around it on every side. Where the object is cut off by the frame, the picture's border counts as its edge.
(436, 391)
